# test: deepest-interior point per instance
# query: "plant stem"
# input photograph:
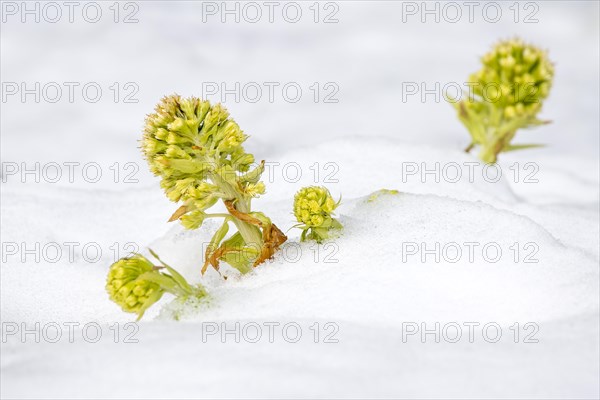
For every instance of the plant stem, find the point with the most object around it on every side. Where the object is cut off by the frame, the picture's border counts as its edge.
(250, 233)
(218, 215)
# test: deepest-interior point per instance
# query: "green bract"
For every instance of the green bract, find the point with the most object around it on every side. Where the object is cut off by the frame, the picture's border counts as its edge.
(504, 96)
(135, 284)
(313, 208)
(196, 149)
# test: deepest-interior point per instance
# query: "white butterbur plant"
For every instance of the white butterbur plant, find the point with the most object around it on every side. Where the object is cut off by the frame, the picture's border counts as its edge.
(314, 210)
(196, 149)
(508, 92)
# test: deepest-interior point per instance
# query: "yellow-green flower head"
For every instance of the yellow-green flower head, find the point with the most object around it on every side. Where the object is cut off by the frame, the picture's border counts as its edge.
(126, 289)
(515, 76)
(135, 284)
(313, 206)
(186, 139)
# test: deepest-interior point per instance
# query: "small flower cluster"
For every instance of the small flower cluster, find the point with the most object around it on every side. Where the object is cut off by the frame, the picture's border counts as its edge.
(313, 208)
(135, 284)
(508, 93)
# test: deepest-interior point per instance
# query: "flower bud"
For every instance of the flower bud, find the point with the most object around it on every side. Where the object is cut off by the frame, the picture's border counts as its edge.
(214, 117)
(193, 220)
(313, 208)
(255, 189)
(125, 287)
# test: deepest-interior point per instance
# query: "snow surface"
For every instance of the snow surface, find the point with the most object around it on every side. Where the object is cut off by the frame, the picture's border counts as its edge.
(359, 281)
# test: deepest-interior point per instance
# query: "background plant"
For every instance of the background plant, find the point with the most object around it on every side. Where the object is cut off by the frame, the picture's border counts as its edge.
(507, 94)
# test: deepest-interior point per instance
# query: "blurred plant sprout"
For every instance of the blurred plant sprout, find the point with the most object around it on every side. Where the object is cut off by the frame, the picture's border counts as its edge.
(313, 208)
(507, 94)
(380, 193)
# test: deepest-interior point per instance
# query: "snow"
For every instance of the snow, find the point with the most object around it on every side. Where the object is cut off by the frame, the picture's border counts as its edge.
(367, 282)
